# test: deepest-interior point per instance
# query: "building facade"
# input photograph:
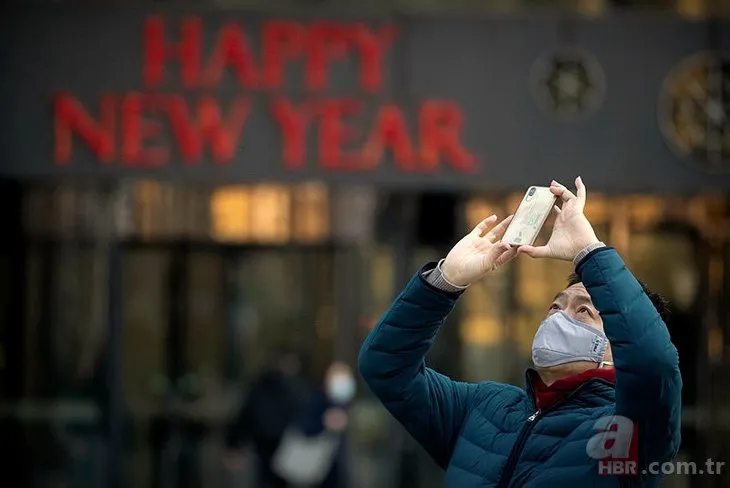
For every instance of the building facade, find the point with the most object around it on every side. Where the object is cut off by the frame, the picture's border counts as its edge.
(186, 190)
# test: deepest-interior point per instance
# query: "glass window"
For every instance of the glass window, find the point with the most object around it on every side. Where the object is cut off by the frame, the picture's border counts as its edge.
(145, 331)
(65, 332)
(311, 213)
(282, 299)
(149, 209)
(666, 262)
(353, 214)
(80, 322)
(206, 323)
(144, 334)
(230, 208)
(382, 278)
(271, 214)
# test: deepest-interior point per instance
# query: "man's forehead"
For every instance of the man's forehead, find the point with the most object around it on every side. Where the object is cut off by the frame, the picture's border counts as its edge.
(576, 291)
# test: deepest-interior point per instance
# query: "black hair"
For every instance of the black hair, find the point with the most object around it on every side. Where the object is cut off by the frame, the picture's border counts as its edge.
(660, 303)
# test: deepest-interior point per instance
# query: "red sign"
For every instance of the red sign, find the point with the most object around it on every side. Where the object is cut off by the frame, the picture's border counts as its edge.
(126, 128)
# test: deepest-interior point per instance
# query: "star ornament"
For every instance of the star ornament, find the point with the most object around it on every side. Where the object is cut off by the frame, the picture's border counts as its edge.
(568, 83)
(694, 111)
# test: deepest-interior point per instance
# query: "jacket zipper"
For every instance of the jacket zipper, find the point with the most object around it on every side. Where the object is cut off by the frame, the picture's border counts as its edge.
(514, 454)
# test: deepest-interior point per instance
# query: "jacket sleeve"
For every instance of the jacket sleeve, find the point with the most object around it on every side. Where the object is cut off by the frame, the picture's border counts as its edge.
(648, 381)
(429, 405)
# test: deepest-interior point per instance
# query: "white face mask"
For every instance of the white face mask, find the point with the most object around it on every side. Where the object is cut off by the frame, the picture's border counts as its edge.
(562, 339)
(341, 388)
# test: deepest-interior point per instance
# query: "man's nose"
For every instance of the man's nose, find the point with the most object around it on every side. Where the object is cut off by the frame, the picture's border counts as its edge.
(571, 313)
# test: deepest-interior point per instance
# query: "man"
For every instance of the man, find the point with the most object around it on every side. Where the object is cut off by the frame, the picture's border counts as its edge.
(275, 401)
(492, 434)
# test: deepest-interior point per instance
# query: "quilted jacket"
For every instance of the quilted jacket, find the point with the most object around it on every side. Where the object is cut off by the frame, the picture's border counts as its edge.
(491, 434)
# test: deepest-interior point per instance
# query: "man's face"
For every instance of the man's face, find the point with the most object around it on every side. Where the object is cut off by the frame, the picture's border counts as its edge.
(576, 302)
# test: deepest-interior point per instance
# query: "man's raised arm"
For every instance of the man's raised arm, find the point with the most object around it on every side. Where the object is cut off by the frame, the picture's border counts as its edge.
(429, 405)
(648, 381)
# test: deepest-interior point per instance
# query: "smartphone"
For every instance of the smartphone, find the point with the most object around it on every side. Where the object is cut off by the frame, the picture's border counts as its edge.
(530, 216)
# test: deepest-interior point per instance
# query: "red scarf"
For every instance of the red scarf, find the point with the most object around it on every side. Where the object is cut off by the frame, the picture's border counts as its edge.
(547, 396)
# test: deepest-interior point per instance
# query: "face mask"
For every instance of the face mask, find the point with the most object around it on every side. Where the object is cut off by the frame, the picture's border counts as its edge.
(562, 339)
(341, 389)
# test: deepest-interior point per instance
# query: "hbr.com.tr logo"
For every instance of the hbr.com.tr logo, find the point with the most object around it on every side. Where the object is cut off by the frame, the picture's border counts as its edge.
(615, 446)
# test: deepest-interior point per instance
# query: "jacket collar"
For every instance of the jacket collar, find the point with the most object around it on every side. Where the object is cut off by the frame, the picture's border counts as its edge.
(592, 388)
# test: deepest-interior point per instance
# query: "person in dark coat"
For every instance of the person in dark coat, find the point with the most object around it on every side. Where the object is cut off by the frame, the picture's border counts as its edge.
(579, 421)
(327, 410)
(275, 401)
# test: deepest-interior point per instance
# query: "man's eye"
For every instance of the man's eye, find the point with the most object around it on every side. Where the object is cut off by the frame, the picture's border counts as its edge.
(584, 310)
(554, 306)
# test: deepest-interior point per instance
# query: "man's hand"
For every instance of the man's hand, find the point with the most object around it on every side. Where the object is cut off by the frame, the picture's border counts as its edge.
(478, 253)
(571, 232)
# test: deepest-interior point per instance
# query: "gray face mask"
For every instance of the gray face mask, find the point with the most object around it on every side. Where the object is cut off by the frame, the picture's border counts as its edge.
(561, 339)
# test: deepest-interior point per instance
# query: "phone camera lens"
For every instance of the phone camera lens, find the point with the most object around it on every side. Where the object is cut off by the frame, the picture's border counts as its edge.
(531, 192)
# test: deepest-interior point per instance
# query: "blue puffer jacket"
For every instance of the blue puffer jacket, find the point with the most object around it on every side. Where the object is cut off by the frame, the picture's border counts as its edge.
(489, 434)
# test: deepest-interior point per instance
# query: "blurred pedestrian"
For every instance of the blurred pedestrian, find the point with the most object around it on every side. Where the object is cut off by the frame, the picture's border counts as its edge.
(274, 402)
(313, 453)
(554, 432)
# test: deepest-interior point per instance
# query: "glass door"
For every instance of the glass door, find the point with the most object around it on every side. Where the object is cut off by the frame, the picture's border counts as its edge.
(146, 375)
(53, 413)
(200, 324)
